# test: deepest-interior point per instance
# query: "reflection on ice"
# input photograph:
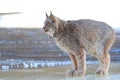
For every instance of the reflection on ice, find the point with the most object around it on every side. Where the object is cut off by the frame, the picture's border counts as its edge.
(52, 73)
(94, 77)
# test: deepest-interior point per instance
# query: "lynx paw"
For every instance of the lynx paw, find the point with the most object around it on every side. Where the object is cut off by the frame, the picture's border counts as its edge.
(74, 73)
(78, 73)
(69, 72)
(101, 72)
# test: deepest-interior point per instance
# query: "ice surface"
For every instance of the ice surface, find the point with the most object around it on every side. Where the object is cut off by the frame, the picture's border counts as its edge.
(58, 73)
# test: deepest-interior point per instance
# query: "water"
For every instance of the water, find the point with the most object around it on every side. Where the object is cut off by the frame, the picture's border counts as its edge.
(56, 72)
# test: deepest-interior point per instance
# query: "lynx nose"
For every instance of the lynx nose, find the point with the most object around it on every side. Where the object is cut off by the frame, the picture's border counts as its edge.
(44, 28)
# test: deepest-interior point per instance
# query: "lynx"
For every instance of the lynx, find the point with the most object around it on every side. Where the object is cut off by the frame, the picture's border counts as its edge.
(81, 37)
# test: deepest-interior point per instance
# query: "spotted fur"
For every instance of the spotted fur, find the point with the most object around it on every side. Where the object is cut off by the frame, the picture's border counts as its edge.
(81, 37)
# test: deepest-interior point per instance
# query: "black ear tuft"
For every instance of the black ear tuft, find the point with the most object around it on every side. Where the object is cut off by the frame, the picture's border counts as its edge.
(51, 14)
(47, 15)
(52, 17)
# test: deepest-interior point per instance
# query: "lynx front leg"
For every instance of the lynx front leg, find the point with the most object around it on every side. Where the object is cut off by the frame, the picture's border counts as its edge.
(74, 65)
(104, 64)
(74, 61)
(81, 63)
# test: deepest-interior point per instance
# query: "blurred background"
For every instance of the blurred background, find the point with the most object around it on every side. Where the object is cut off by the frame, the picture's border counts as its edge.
(23, 43)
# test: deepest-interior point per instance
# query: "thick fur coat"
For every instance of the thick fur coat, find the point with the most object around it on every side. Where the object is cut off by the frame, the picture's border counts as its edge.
(81, 37)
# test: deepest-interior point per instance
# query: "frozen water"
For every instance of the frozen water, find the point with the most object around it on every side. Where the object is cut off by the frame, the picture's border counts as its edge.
(25, 65)
(58, 73)
(4, 67)
(17, 64)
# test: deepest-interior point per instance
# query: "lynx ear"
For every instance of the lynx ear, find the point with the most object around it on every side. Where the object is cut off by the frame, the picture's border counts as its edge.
(52, 17)
(47, 15)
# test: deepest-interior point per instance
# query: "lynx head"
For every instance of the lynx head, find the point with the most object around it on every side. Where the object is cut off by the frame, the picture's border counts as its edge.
(50, 24)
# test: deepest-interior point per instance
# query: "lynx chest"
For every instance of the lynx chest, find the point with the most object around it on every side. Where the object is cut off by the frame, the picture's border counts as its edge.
(69, 45)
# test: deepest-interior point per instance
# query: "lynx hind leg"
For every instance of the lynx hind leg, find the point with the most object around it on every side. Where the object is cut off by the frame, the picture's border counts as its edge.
(104, 65)
(69, 72)
(104, 59)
